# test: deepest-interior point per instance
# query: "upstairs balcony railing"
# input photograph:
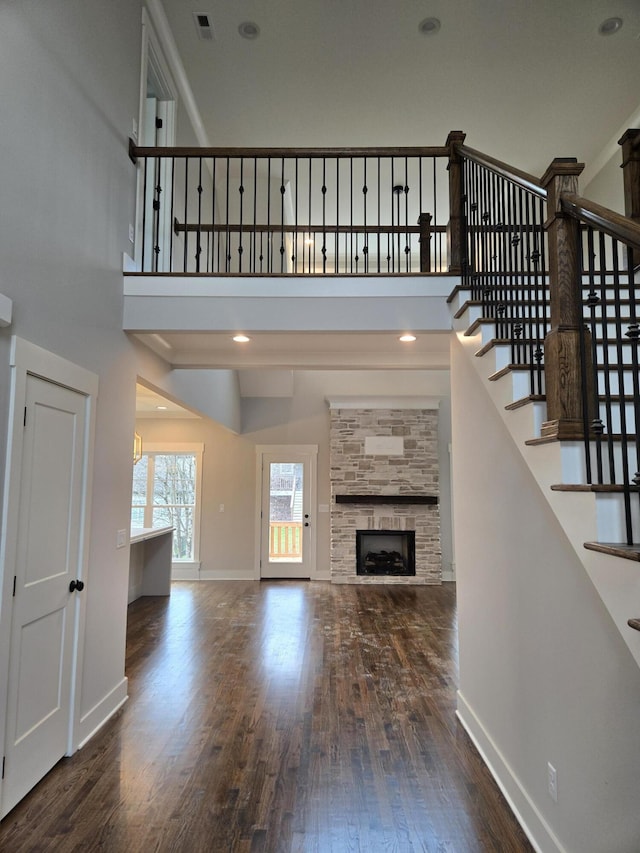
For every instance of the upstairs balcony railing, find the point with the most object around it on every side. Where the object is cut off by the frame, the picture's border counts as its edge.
(281, 211)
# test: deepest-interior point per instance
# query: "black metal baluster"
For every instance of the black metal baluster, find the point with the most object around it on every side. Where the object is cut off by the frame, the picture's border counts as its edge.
(350, 238)
(199, 231)
(215, 259)
(269, 234)
(254, 244)
(156, 214)
(324, 215)
(311, 245)
(365, 190)
(227, 252)
(378, 205)
(630, 367)
(186, 214)
(336, 264)
(296, 236)
(241, 206)
(282, 192)
(173, 192)
(633, 333)
(406, 212)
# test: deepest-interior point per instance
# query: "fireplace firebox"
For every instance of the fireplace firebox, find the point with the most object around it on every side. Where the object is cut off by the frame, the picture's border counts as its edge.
(386, 552)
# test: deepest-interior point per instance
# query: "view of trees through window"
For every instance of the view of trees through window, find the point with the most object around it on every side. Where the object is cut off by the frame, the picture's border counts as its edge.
(164, 493)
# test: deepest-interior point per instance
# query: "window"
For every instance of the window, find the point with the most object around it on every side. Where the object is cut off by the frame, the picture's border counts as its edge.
(166, 491)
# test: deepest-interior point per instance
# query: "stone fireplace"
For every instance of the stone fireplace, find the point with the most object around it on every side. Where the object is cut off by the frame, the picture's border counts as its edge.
(384, 479)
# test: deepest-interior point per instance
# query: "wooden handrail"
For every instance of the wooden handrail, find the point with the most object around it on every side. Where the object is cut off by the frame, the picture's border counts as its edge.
(136, 151)
(516, 176)
(207, 227)
(619, 227)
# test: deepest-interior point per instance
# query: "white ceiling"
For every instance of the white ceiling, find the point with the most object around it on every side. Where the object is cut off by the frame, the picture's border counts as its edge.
(527, 80)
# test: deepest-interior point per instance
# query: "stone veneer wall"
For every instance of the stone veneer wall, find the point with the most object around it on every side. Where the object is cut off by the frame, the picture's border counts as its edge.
(354, 472)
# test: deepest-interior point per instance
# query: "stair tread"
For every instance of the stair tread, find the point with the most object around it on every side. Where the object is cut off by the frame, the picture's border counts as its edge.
(616, 549)
(608, 488)
(523, 401)
(522, 342)
(510, 368)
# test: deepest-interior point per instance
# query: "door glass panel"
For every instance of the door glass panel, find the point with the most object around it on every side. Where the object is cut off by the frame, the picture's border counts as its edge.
(285, 512)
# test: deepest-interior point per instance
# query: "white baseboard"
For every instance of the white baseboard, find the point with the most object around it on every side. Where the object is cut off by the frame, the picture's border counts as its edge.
(227, 575)
(94, 719)
(527, 814)
(185, 573)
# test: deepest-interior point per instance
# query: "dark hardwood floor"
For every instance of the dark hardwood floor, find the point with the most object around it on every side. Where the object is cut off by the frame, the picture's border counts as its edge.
(278, 716)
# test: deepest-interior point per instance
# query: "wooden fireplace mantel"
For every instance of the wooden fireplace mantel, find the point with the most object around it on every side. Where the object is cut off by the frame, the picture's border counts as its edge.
(386, 499)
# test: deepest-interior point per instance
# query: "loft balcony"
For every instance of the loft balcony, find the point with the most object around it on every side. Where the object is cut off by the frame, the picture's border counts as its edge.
(326, 211)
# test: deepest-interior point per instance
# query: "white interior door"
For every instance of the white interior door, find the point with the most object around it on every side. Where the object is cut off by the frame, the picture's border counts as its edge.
(287, 512)
(48, 559)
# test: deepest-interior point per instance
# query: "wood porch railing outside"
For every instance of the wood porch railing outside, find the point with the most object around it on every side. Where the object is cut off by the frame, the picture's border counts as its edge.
(285, 540)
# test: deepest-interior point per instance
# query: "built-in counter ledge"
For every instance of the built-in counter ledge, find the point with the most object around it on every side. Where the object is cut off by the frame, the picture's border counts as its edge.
(386, 499)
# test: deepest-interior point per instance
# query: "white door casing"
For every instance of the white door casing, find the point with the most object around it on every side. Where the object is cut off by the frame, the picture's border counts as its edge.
(304, 565)
(44, 548)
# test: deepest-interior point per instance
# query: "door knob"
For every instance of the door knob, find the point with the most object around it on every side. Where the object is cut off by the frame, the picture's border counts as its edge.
(76, 586)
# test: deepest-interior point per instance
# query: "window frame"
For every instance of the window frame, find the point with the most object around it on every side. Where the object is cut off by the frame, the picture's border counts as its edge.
(195, 449)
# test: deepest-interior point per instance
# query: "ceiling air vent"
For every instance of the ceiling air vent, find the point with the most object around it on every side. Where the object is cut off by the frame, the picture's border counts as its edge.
(203, 26)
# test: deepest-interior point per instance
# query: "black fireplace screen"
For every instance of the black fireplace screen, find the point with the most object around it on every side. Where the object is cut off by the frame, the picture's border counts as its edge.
(385, 552)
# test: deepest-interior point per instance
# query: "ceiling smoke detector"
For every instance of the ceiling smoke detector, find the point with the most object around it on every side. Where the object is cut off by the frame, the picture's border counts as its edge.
(429, 26)
(610, 26)
(249, 30)
(203, 26)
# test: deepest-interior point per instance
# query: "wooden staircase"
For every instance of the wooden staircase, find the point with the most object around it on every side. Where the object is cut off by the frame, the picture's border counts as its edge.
(592, 515)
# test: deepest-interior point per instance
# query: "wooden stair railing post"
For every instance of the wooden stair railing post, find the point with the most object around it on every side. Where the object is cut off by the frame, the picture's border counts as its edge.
(564, 379)
(455, 231)
(630, 143)
(424, 221)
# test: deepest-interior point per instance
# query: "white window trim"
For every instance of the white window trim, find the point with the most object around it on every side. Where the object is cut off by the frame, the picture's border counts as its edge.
(197, 448)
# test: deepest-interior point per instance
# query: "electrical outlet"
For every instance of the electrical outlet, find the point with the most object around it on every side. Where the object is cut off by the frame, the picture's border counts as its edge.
(552, 779)
(221, 508)
(121, 538)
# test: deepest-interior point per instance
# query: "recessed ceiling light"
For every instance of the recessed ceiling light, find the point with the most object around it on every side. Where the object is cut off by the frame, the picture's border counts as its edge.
(308, 241)
(429, 26)
(241, 339)
(162, 408)
(408, 338)
(610, 26)
(249, 30)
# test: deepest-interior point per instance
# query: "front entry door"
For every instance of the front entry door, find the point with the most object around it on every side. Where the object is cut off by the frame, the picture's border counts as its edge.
(288, 513)
(47, 561)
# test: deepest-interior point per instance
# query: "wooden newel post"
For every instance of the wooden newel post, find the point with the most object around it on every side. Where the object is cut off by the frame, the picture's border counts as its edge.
(564, 380)
(424, 221)
(455, 231)
(630, 143)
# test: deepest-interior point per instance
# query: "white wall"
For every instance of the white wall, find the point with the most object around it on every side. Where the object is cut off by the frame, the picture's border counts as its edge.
(69, 83)
(607, 187)
(227, 546)
(228, 477)
(544, 673)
